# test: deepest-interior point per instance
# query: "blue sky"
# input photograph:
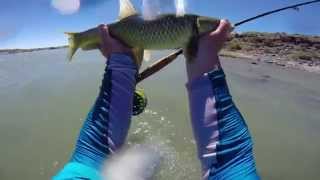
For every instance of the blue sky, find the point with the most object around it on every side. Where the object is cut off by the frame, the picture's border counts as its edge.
(36, 23)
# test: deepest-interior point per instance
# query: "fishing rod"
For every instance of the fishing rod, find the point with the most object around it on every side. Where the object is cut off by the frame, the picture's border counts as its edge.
(157, 66)
(152, 69)
(275, 11)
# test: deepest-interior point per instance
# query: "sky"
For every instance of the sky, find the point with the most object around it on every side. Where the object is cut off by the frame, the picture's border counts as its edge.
(42, 23)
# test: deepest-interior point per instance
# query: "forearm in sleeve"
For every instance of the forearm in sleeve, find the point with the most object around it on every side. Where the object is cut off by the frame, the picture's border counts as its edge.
(107, 124)
(223, 140)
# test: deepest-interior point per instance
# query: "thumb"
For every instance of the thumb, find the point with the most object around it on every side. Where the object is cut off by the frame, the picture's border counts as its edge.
(223, 30)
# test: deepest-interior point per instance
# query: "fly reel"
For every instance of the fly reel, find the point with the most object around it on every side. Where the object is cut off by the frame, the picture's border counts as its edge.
(140, 102)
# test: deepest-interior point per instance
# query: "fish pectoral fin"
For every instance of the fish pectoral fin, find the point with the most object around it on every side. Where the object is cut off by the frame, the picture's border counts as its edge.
(147, 55)
(191, 50)
(126, 9)
(138, 55)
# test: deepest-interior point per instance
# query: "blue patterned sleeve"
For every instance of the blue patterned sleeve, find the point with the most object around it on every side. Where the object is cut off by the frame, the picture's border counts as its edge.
(107, 124)
(224, 144)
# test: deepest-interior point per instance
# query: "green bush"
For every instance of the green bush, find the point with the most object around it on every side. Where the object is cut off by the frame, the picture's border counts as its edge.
(268, 43)
(268, 51)
(303, 55)
(235, 46)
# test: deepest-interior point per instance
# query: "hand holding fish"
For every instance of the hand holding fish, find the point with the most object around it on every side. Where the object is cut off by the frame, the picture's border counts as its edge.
(209, 46)
(110, 45)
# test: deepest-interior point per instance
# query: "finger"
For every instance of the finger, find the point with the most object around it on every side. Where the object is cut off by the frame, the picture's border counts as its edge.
(103, 29)
(224, 26)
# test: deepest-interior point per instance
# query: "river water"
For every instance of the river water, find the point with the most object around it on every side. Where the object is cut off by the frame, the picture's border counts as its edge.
(44, 100)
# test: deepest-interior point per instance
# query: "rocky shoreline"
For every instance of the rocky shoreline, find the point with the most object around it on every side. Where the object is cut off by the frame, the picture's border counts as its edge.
(285, 63)
(289, 51)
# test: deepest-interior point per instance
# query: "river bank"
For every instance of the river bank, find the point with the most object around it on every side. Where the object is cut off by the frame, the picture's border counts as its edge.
(286, 50)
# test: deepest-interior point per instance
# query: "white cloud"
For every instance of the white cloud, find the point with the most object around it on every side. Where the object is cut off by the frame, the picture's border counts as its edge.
(66, 6)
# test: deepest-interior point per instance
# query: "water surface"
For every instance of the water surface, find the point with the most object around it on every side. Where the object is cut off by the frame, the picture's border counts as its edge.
(44, 99)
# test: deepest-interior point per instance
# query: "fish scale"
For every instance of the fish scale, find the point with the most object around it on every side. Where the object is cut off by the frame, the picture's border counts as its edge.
(167, 32)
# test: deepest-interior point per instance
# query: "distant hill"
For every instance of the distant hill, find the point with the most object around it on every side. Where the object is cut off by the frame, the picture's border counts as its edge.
(13, 51)
(287, 50)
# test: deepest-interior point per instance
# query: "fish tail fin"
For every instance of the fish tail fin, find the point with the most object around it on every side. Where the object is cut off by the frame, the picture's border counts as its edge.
(74, 44)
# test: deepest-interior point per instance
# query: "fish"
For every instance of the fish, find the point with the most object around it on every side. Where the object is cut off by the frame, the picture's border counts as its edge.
(166, 31)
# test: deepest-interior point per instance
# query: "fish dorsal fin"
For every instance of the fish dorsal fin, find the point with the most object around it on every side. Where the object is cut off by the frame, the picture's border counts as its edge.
(126, 9)
(180, 7)
(150, 9)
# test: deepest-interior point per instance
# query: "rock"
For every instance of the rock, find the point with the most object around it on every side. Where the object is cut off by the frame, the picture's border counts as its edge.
(266, 76)
(280, 64)
(270, 61)
(55, 164)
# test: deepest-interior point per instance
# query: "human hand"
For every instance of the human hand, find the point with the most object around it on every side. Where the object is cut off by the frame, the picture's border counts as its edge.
(110, 45)
(209, 46)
